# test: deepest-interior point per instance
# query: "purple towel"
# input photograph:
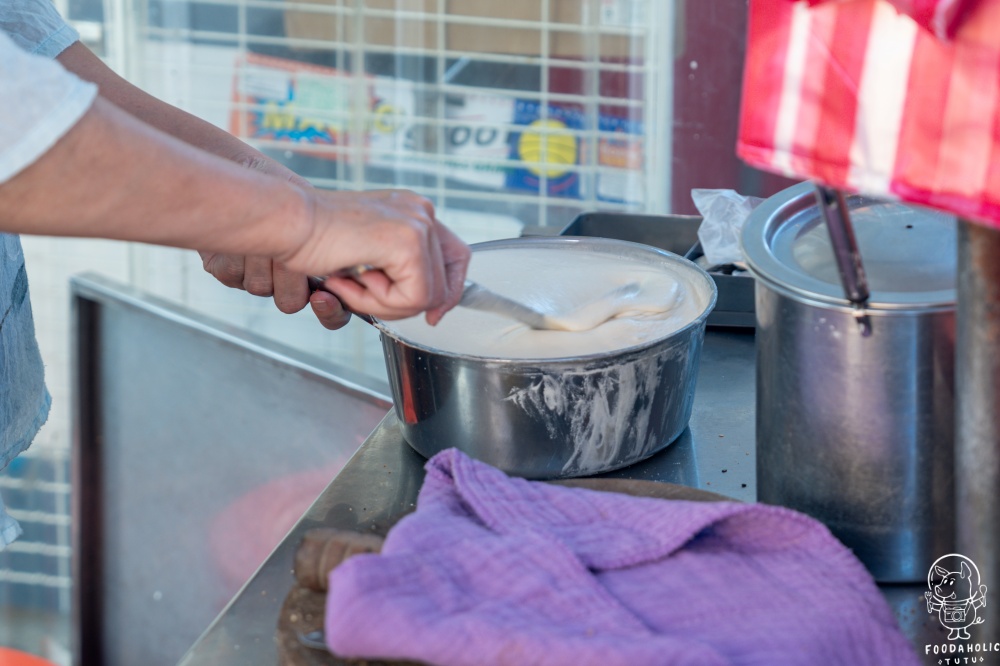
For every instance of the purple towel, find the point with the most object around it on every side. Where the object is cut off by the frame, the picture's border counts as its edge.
(498, 570)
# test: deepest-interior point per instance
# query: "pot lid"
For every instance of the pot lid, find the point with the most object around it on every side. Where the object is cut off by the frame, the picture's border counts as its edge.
(908, 253)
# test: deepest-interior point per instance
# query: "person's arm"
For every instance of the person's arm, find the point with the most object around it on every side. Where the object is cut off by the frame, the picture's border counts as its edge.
(113, 176)
(257, 275)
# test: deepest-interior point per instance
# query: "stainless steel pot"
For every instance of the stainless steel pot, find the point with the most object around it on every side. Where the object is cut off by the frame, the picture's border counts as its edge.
(551, 418)
(858, 431)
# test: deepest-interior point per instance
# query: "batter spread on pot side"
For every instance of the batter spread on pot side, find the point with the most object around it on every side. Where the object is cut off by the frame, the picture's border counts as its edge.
(636, 301)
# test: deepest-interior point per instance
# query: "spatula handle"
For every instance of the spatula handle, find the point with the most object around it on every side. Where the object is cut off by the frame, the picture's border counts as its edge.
(318, 284)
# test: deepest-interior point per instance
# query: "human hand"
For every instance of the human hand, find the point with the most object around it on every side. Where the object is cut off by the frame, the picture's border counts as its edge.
(261, 276)
(419, 264)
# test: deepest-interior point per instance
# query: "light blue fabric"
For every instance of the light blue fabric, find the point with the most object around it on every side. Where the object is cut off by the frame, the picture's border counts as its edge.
(43, 102)
(9, 529)
(24, 400)
(36, 27)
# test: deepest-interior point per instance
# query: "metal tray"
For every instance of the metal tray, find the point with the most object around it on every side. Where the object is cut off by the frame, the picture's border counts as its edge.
(677, 234)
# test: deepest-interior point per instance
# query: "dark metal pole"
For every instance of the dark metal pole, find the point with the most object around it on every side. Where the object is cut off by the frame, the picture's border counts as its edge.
(977, 434)
(87, 630)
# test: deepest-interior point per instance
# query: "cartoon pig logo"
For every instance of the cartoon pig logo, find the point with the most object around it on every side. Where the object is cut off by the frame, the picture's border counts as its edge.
(956, 594)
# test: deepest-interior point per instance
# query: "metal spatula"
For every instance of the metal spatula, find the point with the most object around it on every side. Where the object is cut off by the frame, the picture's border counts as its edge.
(582, 318)
(477, 297)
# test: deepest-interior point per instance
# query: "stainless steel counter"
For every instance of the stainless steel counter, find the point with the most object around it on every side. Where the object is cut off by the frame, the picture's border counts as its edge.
(381, 481)
(196, 447)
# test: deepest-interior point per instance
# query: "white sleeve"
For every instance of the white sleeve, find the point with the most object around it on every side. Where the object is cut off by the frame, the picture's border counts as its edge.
(36, 26)
(39, 102)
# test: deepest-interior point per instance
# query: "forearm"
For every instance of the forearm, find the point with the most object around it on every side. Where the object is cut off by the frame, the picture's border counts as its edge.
(112, 176)
(166, 118)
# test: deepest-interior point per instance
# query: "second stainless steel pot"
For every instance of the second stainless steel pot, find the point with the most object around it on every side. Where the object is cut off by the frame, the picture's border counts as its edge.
(857, 430)
(560, 417)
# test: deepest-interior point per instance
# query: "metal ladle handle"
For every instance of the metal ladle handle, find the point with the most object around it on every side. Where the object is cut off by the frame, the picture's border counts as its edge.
(317, 284)
(834, 212)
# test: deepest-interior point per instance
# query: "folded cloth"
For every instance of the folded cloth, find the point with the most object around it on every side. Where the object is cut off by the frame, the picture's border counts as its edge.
(498, 570)
(858, 96)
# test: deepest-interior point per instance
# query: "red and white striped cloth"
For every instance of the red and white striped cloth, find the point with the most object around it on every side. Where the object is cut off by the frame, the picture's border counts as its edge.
(898, 99)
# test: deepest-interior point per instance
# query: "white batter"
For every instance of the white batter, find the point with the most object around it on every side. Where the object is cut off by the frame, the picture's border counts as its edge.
(628, 302)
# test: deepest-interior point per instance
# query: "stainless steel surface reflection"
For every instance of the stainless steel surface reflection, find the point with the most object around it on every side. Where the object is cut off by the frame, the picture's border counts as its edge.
(380, 483)
(857, 431)
(182, 489)
(504, 414)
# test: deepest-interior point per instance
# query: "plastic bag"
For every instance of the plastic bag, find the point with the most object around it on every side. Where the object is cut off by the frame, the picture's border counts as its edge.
(724, 213)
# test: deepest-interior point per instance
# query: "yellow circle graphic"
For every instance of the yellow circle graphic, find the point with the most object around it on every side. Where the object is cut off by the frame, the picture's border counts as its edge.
(386, 118)
(558, 148)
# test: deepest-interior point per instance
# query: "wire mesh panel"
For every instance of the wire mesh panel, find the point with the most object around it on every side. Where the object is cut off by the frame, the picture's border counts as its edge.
(35, 570)
(36, 488)
(531, 109)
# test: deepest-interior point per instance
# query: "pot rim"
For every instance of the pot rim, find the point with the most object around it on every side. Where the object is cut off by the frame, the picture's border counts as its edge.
(846, 307)
(584, 242)
(756, 240)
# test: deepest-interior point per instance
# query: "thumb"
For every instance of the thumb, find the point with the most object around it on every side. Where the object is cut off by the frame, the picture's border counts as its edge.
(329, 310)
